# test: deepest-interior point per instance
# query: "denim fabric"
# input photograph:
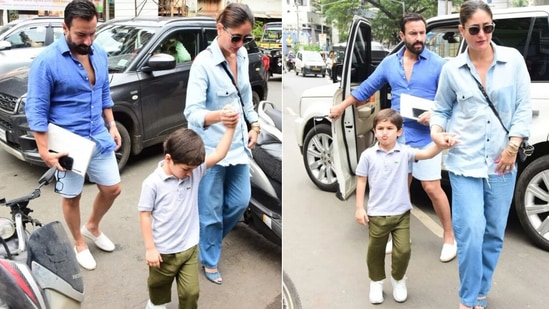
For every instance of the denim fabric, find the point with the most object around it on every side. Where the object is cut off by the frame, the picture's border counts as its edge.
(461, 108)
(210, 89)
(380, 227)
(480, 208)
(102, 170)
(224, 194)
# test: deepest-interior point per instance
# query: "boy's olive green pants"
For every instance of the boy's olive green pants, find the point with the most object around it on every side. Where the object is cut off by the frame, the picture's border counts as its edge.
(380, 227)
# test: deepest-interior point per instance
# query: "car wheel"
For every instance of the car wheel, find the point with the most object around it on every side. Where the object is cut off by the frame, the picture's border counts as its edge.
(323, 75)
(317, 157)
(296, 72)
(255, 99)
(123, 153)
(531, 199)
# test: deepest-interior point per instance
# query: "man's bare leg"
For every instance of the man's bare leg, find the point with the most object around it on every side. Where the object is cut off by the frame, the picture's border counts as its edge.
(102, 203)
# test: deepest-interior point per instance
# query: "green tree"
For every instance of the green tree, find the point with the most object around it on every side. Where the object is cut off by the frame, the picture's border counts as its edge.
(386, 15)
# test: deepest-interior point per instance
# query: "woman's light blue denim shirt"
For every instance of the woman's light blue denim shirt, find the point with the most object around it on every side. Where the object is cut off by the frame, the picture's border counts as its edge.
(461, 108)
(210, 89)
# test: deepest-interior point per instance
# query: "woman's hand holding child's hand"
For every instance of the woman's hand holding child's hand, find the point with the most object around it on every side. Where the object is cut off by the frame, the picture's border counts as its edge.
(229, 116)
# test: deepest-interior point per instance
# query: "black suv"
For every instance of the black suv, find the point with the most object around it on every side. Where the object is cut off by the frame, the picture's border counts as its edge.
(147, 85)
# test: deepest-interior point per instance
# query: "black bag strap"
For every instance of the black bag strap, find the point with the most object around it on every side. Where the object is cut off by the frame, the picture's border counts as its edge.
(224, 65)
(492, 107)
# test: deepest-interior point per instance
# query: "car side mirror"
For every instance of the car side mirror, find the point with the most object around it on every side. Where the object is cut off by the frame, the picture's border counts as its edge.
(5, 45)
(336, 73)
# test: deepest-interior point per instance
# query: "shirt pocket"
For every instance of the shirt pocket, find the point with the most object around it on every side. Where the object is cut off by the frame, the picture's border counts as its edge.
(468, 106)
(226, 96)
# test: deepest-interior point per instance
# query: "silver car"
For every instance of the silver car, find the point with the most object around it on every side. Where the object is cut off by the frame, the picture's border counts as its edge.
(22, 40)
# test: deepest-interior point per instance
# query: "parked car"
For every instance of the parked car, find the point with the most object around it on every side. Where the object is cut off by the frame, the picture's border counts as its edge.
(147, 86)
(309, 62)
(22, 40)
(331, 149)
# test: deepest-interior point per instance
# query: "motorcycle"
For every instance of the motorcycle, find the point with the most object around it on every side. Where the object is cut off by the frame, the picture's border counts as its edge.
(290, 62)
(264, 212)
(38, 267)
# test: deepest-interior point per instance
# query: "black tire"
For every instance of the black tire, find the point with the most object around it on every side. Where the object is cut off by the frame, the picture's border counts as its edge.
(324, 75)
(123, 153)
(531, 196)
(255, 100)
(318, 156)
(296, 72)
(290, 297)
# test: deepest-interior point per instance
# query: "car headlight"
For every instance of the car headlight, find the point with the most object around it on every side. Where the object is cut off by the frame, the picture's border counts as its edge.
(7, 228)
(22, 102)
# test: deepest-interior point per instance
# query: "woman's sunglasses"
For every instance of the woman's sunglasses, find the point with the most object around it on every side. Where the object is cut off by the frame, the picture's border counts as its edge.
(235, 38)
(475, 29)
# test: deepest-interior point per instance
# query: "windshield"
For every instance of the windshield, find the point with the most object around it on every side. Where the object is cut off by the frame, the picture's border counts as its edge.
(7, 27)
(122, 43)
(312, 57)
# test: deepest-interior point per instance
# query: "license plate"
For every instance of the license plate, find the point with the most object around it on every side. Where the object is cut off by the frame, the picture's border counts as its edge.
(3, 135)
(316, 69)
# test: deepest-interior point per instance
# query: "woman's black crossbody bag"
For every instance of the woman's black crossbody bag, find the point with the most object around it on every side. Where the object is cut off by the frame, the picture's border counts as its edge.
(525, 150)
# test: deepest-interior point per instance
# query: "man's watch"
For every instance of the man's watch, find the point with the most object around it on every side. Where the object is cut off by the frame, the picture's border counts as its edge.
(256, 127)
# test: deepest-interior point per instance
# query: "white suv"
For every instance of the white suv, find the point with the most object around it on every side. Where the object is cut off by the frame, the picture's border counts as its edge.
(331, 150)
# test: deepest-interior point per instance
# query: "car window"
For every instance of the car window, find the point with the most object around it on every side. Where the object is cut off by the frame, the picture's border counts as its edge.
(122, 43)
(312, 57)
(209, 36)
(32, 36)
(252, 47)
(182, 45)
(444, 41)
(530, 36)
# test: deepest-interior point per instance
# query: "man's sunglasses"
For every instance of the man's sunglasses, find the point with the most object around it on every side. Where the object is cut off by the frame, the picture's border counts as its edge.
(235, 38)
(475, 29)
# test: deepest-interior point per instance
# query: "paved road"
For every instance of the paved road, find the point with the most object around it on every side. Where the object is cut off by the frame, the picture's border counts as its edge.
(251, 265)
(324, 249)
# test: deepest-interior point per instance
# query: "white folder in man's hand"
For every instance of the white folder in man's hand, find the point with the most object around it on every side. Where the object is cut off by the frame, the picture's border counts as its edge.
(412, 107)
(80, 149)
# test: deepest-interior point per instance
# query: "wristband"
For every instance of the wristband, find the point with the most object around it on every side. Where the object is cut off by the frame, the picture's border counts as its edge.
(111, 123)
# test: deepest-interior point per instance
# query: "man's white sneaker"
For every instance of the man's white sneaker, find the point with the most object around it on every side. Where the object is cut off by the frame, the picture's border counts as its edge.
(376, 292)
(400, 292)
(449, 252)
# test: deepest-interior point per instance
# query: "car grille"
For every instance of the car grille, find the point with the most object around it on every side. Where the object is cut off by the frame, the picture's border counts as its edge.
(5, 125)
(8, 103)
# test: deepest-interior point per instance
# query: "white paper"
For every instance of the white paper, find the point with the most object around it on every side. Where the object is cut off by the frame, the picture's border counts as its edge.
(412, 106)
(80, 149)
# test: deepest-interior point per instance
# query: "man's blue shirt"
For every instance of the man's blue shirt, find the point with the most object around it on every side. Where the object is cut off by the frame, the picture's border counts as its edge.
(423, 83)
(59, 92)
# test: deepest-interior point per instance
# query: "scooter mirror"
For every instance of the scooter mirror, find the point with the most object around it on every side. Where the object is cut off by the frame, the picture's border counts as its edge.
(47, 177)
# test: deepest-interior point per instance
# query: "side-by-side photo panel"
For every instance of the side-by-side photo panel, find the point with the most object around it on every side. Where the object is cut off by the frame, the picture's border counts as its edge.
(415, 154)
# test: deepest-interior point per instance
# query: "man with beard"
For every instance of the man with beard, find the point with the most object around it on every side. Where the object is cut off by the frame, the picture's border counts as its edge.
(413, 70)
(69, 87)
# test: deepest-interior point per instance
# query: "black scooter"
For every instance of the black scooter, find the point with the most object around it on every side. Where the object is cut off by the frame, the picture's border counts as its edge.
(264, 212)
(38, 267)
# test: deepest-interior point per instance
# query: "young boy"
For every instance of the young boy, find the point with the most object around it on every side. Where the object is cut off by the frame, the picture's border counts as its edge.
(387, 165)
(168, 213)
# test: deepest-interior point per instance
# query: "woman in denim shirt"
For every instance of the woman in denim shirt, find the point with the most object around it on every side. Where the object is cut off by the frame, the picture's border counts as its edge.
(225, 190)
(482, 166)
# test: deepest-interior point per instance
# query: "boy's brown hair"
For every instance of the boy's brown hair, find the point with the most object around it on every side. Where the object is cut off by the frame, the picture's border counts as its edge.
(185, 147)
(388, 114)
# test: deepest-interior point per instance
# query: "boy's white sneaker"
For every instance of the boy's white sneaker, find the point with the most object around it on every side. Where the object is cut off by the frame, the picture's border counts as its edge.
(376, 292)
(400, 292)
(150, 305)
